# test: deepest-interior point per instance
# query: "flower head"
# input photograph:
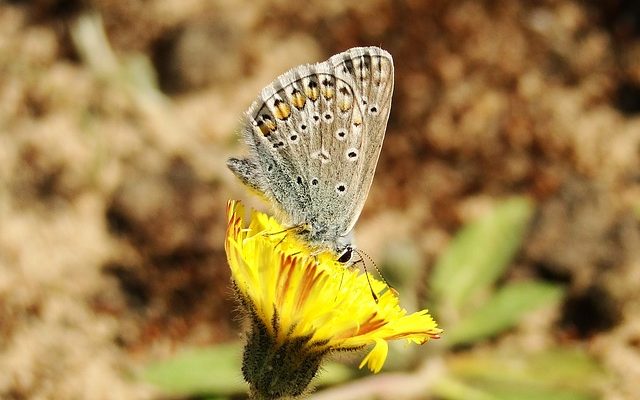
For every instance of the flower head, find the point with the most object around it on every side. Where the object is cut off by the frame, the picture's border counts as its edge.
(304, 305)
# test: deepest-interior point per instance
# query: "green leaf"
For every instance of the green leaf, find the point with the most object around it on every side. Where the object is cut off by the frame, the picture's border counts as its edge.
(214, 370)
(503, 311)
(556, 373)
(217, 370)
(480, 253)
(450, 388)
(510, 391)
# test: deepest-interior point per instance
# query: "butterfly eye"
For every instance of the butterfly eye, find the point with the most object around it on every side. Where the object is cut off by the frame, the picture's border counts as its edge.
(341, 134)
(346, 256)
(341, 188)
(373, 110)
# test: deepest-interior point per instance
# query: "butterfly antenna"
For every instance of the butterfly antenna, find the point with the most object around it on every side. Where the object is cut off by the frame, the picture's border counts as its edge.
(375, 266)
(366, 273)
(280, 241)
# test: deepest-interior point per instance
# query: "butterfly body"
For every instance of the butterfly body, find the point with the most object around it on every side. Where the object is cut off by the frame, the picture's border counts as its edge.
(314, 137)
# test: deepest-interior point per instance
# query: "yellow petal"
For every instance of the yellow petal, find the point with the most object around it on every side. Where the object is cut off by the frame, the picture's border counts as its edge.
(377, 356)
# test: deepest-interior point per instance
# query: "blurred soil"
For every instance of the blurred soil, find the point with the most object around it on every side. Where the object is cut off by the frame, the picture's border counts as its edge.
(113, 187)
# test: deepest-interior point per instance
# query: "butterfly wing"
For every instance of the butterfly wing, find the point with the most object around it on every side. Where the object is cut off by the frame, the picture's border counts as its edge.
(315, 135)
(371, 70)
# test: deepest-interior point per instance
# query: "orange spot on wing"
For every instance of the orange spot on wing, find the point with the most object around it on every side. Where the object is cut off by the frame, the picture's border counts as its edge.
(282, 110)
(298, 100)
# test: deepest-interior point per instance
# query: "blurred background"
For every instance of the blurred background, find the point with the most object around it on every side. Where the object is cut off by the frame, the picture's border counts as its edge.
(511, 158)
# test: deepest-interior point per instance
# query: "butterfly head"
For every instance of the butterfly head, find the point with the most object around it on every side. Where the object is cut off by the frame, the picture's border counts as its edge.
(343, 247)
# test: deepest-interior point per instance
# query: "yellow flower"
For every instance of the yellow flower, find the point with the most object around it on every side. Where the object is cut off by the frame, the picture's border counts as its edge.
(303, 305)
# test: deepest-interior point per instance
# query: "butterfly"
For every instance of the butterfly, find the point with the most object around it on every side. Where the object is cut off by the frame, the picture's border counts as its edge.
(314, 137)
